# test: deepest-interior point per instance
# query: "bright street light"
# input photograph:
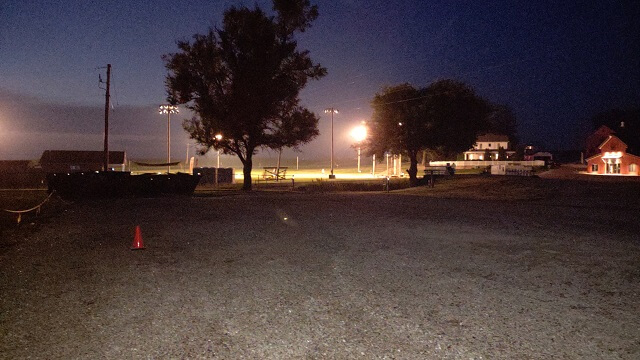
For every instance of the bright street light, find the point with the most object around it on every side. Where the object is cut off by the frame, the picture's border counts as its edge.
(359, 133)
(168, 109)
(331, 111)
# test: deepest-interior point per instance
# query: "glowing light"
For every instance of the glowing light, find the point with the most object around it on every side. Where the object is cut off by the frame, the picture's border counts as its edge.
(168, 109)
(218, 137)
(359, 133)
(612, 155)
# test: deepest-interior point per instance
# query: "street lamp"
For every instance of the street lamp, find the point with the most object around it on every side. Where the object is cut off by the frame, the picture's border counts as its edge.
(168, 109)
(359, 133)
(331, 111)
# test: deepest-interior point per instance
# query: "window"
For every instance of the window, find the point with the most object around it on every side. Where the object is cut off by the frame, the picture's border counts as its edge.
(489, 146)
(594, 167)
(633, 168)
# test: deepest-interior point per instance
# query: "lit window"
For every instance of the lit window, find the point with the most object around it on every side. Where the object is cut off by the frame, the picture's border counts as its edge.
(594, 167)
(633, 168)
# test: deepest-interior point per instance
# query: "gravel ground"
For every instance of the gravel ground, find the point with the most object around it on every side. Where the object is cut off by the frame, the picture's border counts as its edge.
(275, 276)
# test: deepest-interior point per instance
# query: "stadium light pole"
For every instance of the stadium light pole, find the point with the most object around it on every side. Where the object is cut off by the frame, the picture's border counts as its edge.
(168, 109)
(359, 133)
(331, 111)
(218, 137)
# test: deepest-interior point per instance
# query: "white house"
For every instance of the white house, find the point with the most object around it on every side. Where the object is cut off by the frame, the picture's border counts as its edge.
(491, 143)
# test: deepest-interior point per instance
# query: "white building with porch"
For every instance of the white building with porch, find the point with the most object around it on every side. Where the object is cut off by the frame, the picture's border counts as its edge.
(489, 144)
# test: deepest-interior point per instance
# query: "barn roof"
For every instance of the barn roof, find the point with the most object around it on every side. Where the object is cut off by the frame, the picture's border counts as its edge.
(81, 157)
(492, 137)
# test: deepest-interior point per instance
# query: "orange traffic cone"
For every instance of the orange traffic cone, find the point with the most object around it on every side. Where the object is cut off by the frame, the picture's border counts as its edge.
(137, 240)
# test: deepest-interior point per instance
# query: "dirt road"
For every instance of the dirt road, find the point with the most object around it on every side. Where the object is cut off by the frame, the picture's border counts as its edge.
(275, 276)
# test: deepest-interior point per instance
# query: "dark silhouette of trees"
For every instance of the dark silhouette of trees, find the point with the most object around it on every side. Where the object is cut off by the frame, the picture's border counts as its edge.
(625, 124)
(446, 116)
(487, 155)
(243, 81)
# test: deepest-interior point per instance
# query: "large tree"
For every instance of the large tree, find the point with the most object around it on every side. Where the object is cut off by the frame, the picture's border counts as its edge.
(243, 81)
(446, 116)
(398, 124)
(625, 123)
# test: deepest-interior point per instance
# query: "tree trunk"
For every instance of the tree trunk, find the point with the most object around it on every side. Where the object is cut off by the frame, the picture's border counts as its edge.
(247, 165)
(413, 168)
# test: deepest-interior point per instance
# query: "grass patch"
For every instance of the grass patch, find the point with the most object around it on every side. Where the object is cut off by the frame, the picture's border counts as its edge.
(322, 185)
(507, 188)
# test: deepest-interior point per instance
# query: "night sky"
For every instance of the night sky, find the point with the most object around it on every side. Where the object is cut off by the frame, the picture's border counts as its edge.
(555, 63)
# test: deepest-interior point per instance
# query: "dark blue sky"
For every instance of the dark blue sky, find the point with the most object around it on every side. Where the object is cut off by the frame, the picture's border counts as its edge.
(556, 63)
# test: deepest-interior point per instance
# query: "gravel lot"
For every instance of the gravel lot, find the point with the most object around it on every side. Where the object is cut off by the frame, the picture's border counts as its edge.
(364, 275)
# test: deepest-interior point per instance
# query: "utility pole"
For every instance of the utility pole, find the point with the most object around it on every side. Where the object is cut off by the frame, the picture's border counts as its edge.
(106, 121)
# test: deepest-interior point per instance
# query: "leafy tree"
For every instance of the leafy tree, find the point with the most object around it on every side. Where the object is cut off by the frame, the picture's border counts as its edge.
(243, 82)
(397, 122)
(445, 117)
(487, 155)
(502, 153)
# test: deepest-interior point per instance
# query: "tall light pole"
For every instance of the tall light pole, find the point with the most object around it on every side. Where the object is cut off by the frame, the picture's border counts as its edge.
(168, 109)
(373, 166)
(358, 134)
(387, 155)
(218, 137)
(106, 120)
(331, 111)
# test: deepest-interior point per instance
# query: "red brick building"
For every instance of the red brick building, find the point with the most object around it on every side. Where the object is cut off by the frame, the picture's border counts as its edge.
(613, 159)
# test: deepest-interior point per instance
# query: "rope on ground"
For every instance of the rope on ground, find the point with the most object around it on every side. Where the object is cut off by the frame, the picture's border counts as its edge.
(36, 208)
